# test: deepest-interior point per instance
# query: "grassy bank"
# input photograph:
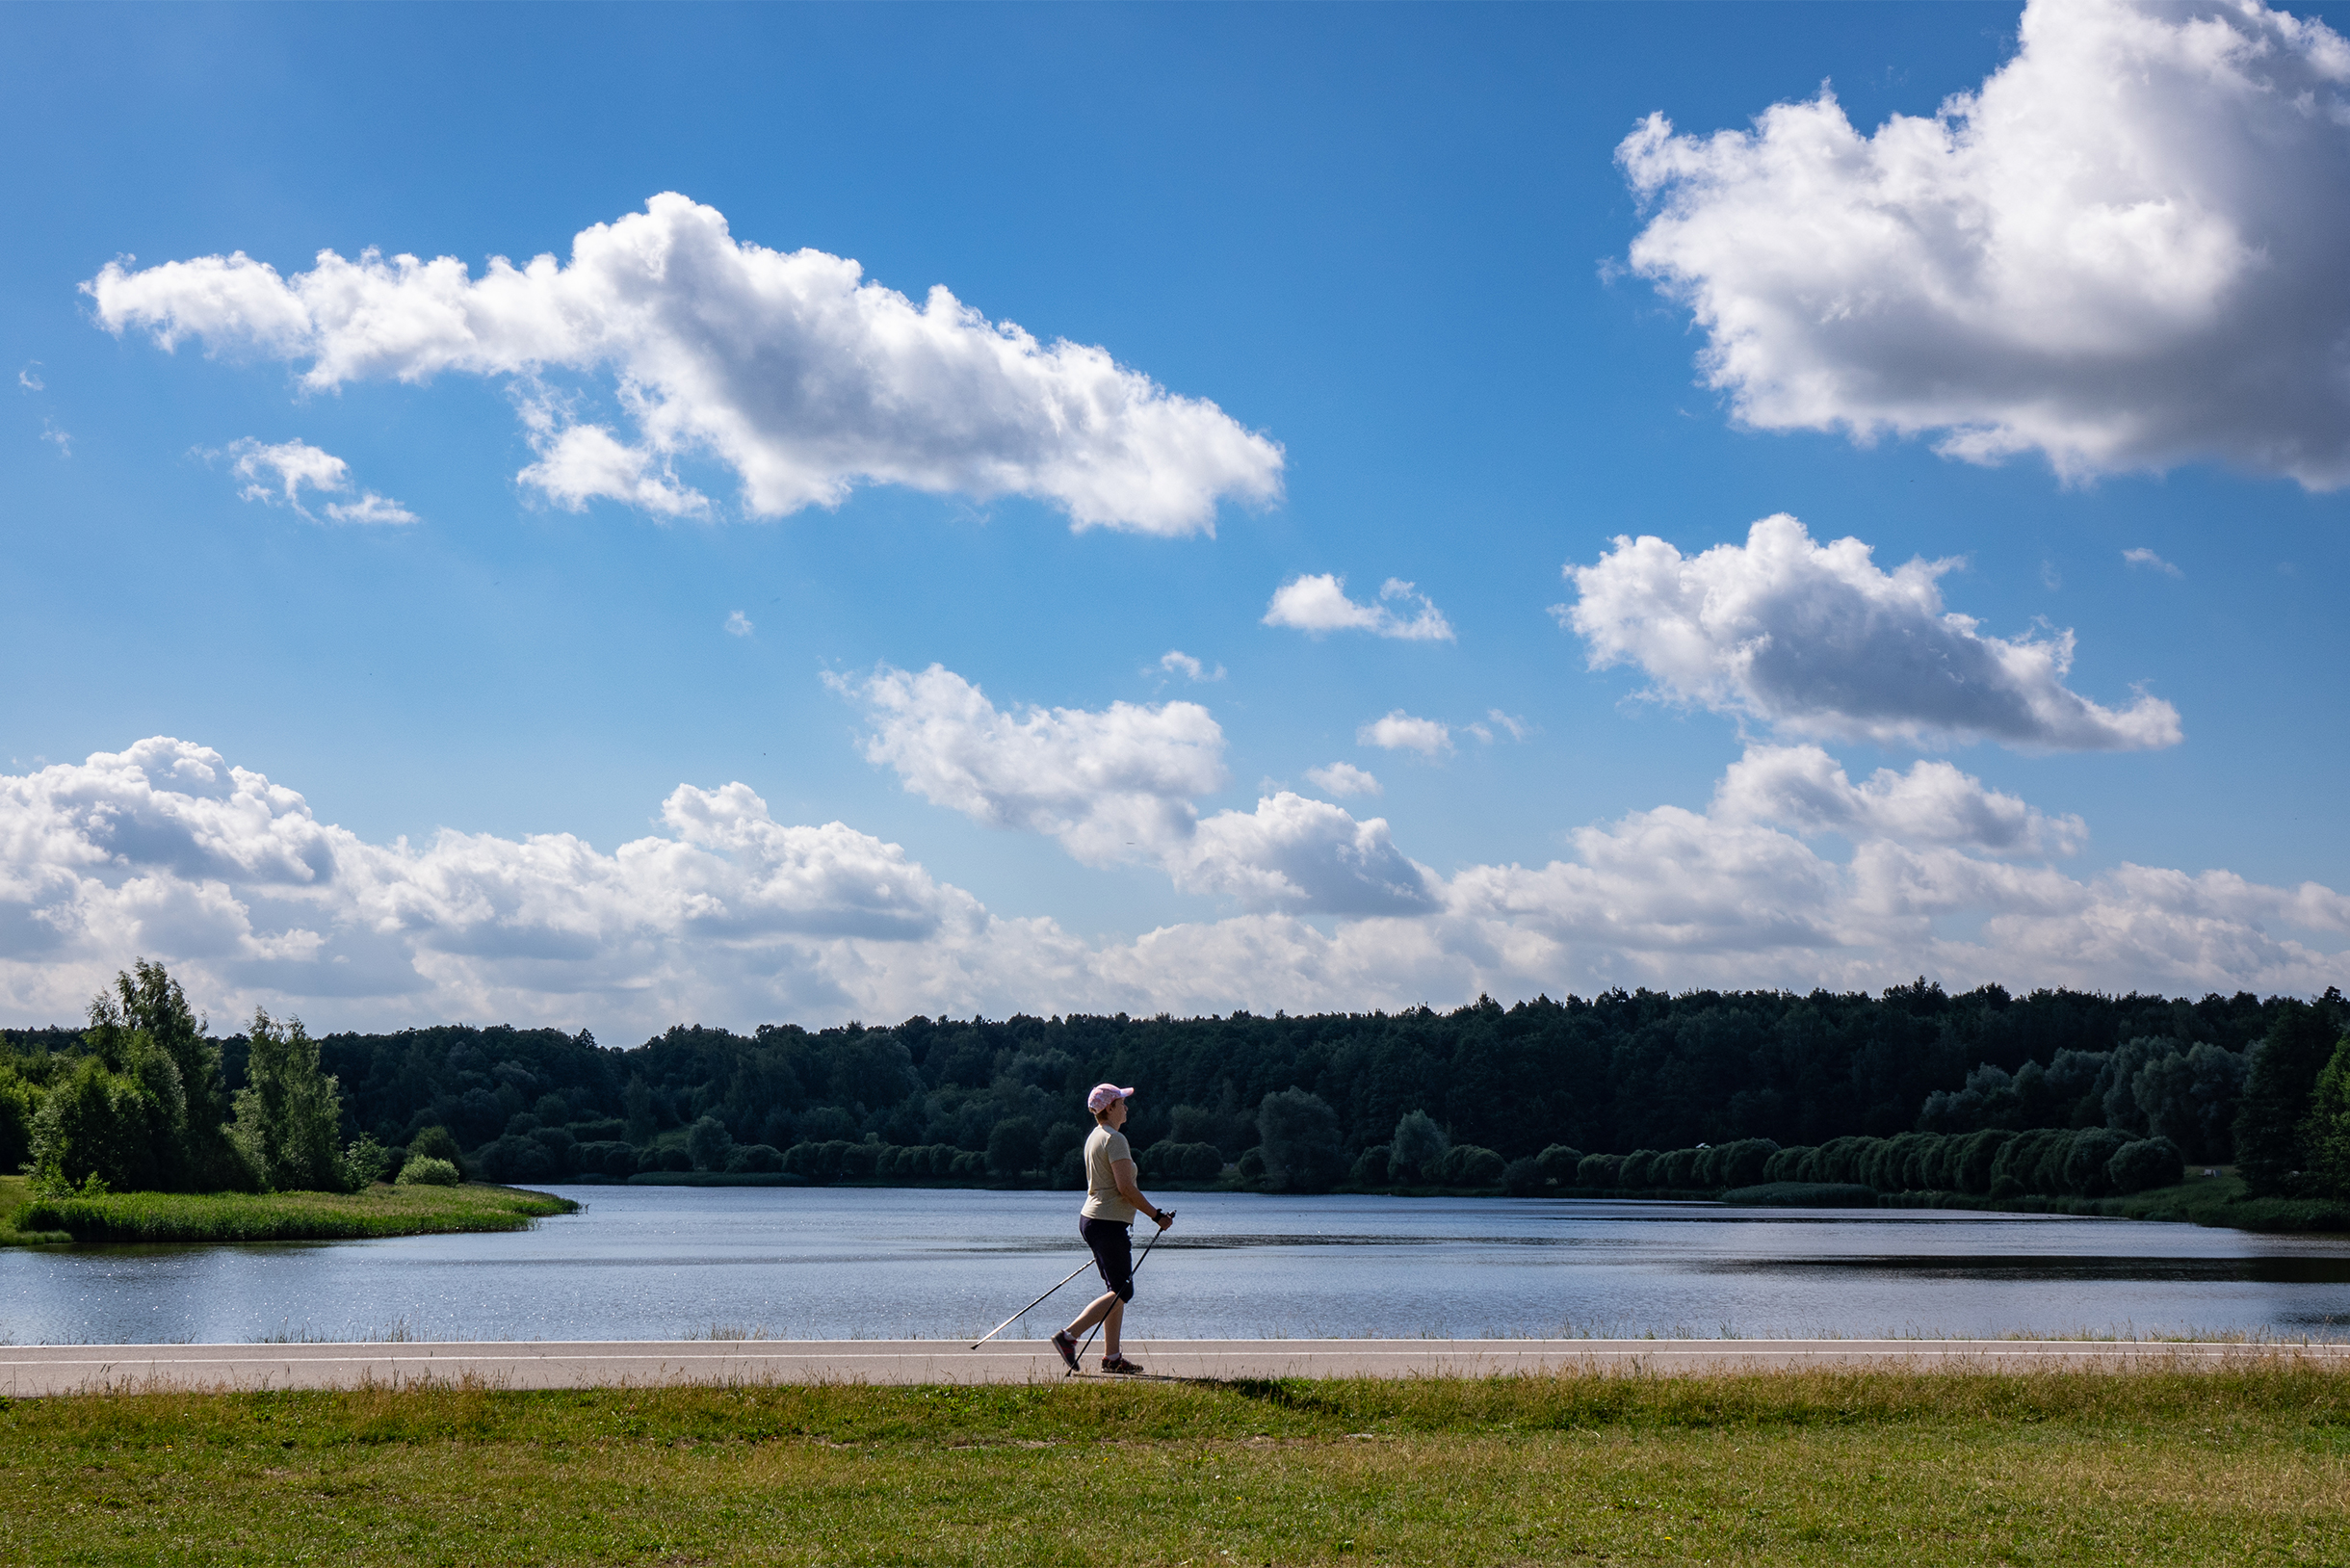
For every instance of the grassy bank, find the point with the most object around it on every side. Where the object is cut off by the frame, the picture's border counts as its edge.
(2200, 1200)
(1815, 1468)
(281, 1217)
(13, 1190)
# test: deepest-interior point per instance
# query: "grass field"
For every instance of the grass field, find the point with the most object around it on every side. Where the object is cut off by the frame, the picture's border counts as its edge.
(269, 1217)
(2235, 1468)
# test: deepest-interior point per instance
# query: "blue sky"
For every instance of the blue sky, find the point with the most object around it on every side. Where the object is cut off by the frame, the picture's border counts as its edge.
(1395, 248)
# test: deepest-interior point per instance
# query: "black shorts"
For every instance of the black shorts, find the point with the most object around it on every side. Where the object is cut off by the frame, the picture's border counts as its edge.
(1114, 1252)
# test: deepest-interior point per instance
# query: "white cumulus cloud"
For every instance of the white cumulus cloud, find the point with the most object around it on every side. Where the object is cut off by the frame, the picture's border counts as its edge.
(2143, 557)
(1345, 778)
(285, 466)
(579, 463)
(1120, 784)
(790, 369)
(1802, 788)
(1319, 605)
(1176, 662)
(1296, 853)
(1815, 638)
(738, 624)
(1399, 731)
(165, 849)
(1101, 781)
(369, 507)
(2123, 251)
(276, 474)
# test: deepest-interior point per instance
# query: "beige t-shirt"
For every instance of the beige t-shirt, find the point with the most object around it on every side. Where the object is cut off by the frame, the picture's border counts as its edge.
(1105, 1146)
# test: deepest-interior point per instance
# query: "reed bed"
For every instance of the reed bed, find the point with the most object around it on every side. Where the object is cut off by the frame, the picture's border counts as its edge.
(286, 1216)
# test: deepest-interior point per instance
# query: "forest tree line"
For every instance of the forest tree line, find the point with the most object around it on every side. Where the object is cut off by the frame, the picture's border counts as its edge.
(1483, 1095)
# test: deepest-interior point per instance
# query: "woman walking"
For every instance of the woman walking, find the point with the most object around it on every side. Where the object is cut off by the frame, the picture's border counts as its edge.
(1107, 1224)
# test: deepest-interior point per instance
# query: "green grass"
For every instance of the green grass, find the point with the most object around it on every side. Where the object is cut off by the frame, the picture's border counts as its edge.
(13, 1190)
(2221, 1200)
(2243, 1467)
(283, 1217)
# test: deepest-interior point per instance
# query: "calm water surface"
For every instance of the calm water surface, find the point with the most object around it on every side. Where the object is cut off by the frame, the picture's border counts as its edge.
(797, 1263)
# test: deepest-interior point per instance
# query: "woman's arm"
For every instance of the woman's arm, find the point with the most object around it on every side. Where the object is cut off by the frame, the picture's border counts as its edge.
(1122, 1172)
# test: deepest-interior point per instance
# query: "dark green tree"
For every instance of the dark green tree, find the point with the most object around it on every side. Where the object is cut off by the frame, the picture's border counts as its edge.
(2087, 1157)
(1741, 1163)
(19, 1101)
(636, 1100)
(2279, 1082)
(2150, 1161)
(1558, 1164)
(1599, 1170)
(149, 1000)
(1013, 1145)
(288, 1115)
(2015, 1169)
(122, 1112)
(2192, 1097)
(1465, 1164)
(1417, 1149)
(97, 1122)
(1297, 1134)
(1971, 1167)
(434, 1143)
(2326, 1129)
(709, 1143)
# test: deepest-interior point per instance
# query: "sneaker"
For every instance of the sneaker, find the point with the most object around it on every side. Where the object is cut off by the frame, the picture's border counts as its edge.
(1119, 1364)
(1066, 1346)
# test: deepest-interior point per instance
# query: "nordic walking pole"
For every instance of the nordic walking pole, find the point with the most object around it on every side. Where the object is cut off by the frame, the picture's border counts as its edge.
(1130, 1273)
(1039, 1302)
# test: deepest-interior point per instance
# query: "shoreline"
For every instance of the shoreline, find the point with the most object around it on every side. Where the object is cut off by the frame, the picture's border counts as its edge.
(2213, 1202)
(2216, 1202)
(213, 1218)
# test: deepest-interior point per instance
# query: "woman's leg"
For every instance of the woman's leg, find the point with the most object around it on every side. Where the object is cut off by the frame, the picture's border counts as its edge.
(1112, 1253)
(1105, 1306)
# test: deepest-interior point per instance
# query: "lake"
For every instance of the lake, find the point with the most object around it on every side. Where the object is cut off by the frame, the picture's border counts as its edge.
(659, 1263)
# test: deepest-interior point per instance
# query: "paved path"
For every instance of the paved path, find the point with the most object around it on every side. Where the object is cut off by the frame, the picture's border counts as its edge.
(57, 1368)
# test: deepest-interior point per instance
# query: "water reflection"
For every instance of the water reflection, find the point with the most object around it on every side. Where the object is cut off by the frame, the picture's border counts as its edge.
(2282, 1270)
(665, 1262)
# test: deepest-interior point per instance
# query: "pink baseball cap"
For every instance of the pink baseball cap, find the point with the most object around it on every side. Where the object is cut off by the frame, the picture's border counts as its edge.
(1103, 1093)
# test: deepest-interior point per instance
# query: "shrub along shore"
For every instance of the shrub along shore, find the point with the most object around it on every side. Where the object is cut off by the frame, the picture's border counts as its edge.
(1847, 1468)
(267, 1216)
